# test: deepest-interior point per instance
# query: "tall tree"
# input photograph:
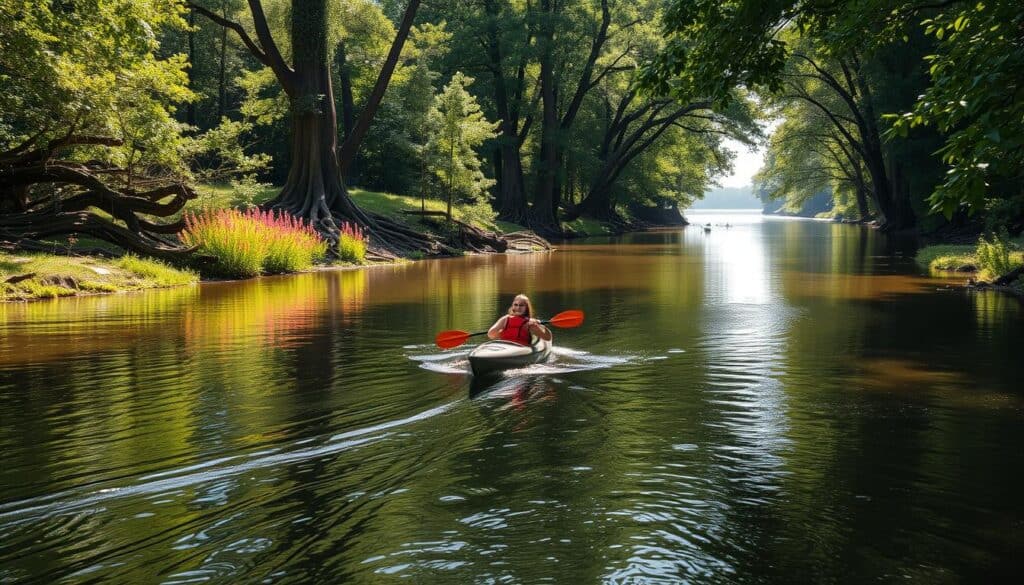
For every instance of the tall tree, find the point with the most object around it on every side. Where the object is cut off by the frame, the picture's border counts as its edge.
(807, 156)
(556, 124)
(315, 189)
(509, 92)
(459, 130)
(973, 96)
(839, 89)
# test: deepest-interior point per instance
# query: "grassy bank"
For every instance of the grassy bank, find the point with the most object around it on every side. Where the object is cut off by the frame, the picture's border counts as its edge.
(37, 275)
(948, 259)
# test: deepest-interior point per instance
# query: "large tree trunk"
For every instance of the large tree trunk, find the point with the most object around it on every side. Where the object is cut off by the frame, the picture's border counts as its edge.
(855, 91)
(348, 108)
(512, 194)
(598, 202)
(862, 193)
(508, 163)
(542, 214)
(902, 210)
(898, 213)
(314, 189)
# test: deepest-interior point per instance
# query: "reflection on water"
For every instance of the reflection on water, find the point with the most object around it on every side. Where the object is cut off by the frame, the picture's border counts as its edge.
(768, 399)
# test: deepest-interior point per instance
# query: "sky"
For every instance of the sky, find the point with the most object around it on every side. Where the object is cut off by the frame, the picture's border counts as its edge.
(746, 164)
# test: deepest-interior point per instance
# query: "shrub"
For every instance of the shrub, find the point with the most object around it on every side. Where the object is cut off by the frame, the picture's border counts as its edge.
(352, 244)
(252, 242)
(479, 213)
(994, 255)
(292, 244)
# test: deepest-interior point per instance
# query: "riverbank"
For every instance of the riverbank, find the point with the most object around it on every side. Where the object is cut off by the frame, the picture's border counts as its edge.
(967, 260)
(78, 267)
(38, 275)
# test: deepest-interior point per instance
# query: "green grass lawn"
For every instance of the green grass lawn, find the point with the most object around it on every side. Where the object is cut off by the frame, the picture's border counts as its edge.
(53, 275)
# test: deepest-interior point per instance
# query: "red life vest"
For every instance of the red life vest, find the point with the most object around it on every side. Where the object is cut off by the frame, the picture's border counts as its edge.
(517, 329)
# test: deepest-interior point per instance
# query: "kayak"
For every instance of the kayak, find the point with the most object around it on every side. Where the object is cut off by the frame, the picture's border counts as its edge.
(495, 356)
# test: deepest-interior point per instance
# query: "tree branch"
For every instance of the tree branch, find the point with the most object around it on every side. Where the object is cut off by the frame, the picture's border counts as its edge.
(284, 73)
(239, 30)
(348, 149)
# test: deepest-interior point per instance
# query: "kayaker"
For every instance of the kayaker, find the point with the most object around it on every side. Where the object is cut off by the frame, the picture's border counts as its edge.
(518, 324)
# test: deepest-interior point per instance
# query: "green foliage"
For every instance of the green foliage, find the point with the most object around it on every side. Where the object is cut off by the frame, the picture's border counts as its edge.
(222, 154)
(994, 255)
(459, 128)
(974, 101)
(714, 46)
(91, 68)
(476, 213)
(392, 155)
(976, 66)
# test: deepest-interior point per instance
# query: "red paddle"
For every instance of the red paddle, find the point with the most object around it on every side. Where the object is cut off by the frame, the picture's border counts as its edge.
(455, 338)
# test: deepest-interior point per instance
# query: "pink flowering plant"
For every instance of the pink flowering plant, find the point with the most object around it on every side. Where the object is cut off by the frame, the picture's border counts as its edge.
(248, 243)
(352, 243)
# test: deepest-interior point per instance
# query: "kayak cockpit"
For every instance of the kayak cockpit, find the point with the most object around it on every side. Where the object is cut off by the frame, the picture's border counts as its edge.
(498, 355)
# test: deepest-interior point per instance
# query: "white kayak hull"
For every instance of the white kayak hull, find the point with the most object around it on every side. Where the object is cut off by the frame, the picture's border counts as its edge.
(495, 356)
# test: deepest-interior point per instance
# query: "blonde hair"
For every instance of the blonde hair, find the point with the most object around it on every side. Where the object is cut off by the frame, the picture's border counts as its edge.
(529, 305)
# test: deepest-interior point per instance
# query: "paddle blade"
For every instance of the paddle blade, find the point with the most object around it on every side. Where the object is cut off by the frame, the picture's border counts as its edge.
(566, 319)
(450, 339)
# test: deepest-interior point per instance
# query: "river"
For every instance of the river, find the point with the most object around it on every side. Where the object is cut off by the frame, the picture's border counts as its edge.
(775, 401)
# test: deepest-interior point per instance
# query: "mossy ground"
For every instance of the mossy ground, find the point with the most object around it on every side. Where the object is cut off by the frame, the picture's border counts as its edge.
(55, 275)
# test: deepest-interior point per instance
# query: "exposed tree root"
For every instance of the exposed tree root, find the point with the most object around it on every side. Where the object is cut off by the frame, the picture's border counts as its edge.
(41, 197)
(25, 229)
(526, 241)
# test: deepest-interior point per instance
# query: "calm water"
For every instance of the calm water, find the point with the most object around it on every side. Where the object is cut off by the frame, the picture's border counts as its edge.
(779, 401)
